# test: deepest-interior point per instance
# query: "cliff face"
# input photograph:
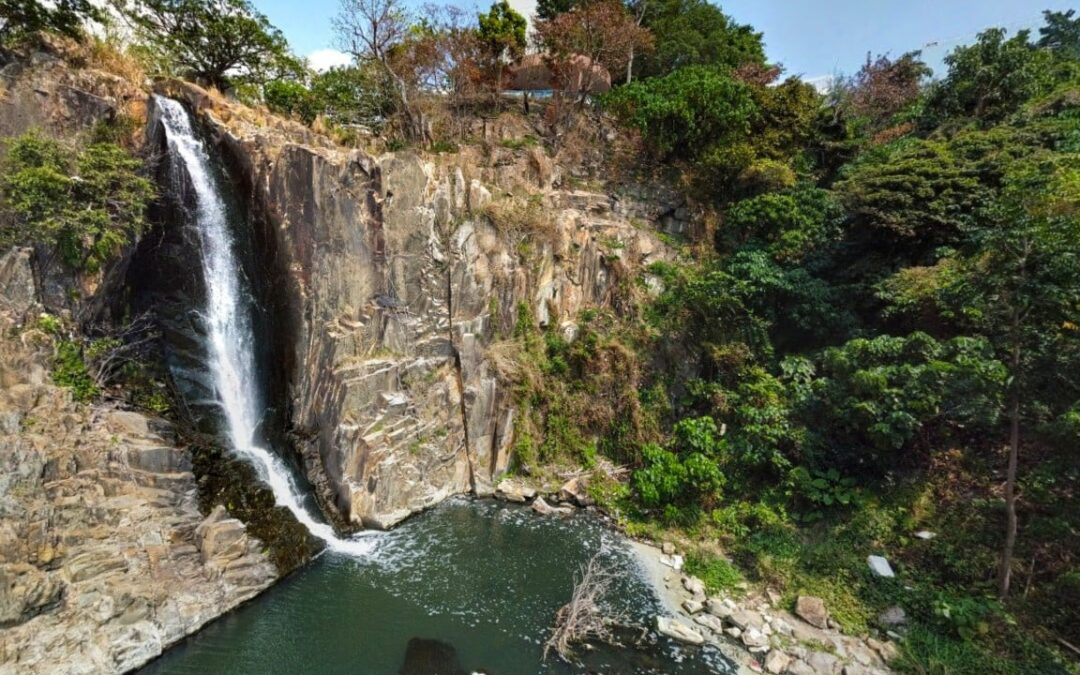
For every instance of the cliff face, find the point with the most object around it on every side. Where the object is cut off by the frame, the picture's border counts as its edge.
(104, 557)
(402, 275)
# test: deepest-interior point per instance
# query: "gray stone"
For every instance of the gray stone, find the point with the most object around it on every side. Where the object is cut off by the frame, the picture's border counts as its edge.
(754, 638)
(514, 491)
(541, 506)
(823, 663)
(694, 586)
(576, 491)
(745, 619)
(692, 606)
(812, 610)
(799, 667)
(717, 607)
(667, 548)
(777, 662)
(880, 566)
(675, 629)
(709, 621)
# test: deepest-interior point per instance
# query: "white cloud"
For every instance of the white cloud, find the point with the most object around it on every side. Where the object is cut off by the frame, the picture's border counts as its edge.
(325, 59)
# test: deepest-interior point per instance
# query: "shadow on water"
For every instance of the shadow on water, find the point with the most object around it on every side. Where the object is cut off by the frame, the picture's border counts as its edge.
(468, 587)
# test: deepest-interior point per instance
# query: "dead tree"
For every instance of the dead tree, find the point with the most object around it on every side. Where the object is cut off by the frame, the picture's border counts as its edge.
(583, 618)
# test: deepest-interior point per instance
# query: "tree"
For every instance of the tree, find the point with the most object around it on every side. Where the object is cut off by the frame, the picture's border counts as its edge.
(502, 33)
(215, 41)
(1020, 286)
(83, 204)
(502, 30)
(549, 9)
(66, 17)
(696, 32)
(1061, 34)
(371, 30)
(884, 87)
(990, 79)
(684, 114)
(599, 30)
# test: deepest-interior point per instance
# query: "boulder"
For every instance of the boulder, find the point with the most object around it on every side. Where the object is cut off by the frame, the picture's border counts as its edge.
(798, 667)
(754, 638)
(812, 610)
(675, 562)
(886, 650)
(694, 586)
(692, 606)
(575, 491)
(667, 548)
(709, 621)
(677, 630)
(745, 619)
(718, 607)
(514, 491)
(777, 662)
(220, 537)
(541, 506)
(823, 663)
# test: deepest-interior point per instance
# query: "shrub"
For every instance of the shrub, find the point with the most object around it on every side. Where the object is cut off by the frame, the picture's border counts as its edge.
(83, 203)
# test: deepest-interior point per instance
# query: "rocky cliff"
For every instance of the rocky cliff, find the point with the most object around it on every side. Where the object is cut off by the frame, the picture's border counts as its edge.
(105, 559)
(402, 274)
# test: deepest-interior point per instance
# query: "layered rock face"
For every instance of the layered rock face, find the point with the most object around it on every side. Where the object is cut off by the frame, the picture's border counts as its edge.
(104, 557)
(403, 276)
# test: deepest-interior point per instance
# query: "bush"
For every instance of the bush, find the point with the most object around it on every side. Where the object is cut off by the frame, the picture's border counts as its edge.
(85, 204)
(686, 475)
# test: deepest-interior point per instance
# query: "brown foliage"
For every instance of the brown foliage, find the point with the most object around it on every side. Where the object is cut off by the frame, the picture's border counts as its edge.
(601, 31)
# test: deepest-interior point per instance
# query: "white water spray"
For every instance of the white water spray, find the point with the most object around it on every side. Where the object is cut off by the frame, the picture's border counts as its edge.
(230, 339)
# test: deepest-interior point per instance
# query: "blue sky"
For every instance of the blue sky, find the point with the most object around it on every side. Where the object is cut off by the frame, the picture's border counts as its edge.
(812, 38)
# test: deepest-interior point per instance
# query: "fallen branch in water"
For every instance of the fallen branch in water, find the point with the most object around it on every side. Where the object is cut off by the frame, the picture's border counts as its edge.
(582, 618)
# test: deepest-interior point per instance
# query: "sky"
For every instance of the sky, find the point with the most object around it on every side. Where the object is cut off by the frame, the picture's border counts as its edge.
(815, 39)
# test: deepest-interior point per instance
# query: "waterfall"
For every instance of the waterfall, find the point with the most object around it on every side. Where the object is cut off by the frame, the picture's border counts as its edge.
(230, 338)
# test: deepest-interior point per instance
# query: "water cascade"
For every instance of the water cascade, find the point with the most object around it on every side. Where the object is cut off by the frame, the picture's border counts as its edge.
(229, 334)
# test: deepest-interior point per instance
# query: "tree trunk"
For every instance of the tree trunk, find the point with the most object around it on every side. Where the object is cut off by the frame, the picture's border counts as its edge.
(1005, 572)
(630, 67)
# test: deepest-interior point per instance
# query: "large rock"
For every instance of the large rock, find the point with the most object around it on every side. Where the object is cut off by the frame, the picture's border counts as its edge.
(777, 662)
(26, 591)
(677, 630)
(812, 610)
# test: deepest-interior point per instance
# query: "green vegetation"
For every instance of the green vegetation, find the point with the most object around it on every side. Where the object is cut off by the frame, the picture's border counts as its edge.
(22, 18)
(83, 203)
(221, 42)
(879, 337)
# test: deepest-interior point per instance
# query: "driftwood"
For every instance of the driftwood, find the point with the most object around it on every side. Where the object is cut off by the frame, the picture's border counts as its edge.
(583, 618)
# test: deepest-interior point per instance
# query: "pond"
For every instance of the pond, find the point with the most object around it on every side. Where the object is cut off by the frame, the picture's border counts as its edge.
(470, 586)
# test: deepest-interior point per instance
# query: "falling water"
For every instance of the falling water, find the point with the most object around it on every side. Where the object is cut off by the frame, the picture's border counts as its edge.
(230, 338)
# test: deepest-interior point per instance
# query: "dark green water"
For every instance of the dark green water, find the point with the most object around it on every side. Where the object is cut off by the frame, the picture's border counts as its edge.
(477, 582)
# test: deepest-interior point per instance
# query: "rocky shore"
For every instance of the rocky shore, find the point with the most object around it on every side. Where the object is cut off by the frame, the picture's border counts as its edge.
(751, 628)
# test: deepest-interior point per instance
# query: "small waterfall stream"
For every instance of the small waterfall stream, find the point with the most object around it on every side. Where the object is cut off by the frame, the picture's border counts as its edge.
(230, 338)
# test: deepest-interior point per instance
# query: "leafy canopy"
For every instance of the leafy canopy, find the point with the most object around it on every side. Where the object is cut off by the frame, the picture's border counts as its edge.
(217, 41)
(86, 204)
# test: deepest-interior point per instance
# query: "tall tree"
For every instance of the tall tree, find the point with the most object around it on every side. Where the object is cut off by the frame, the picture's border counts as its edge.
(1061, 34)
(600, 30)
(502, 33)
(1020, 286)
(217, 41)
(66, 17)
(371, 30)
(990, 79)
(696, 32)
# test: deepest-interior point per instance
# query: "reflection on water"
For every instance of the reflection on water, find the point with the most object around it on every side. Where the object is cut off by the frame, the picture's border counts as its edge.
(470, 586)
